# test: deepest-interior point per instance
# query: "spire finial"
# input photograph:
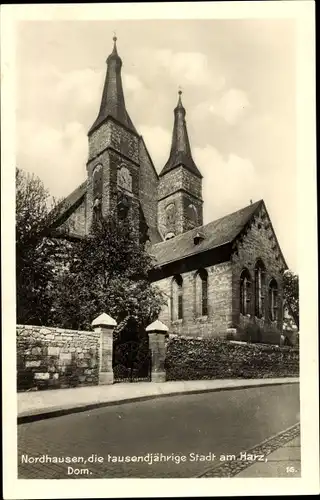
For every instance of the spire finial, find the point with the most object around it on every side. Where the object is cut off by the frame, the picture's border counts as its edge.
(114, 38)
(179, 105)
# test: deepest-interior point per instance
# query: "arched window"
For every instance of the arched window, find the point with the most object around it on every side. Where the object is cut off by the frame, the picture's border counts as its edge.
(177, 298)
(273, 300)
(192, 213)
(170, 216)
(97, 192)
(245, 292)
(124, 178)
(97, 181)
(259, 286)
(201, 293)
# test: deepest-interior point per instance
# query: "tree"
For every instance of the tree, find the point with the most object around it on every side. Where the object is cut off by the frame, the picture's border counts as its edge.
(106, 271)
(291, 294)
(35, 210)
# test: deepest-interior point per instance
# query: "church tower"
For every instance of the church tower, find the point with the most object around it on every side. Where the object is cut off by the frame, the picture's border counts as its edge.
(113, 163)
(180, 183)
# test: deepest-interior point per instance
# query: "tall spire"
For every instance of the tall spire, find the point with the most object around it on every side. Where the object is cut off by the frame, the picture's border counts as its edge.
(112, 102)
(180, 153)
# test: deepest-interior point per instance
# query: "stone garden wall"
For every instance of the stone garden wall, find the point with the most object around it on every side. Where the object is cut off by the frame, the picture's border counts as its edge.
(205, 359)
(56, 358)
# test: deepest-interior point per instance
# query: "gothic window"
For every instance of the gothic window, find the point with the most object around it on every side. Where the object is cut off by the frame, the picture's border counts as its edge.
(273, 300)
(192, 213)
(97, 209)
(97, 192)
(97, 182)
(259, 285)
(201, 293)
(124, 178)
(170, 216)
(245, 292)
(177, 298)
(123, 206)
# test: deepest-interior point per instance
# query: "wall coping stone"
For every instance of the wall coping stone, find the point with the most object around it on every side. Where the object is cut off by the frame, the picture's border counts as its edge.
(104, 320)
(157, 326)
(52, 329)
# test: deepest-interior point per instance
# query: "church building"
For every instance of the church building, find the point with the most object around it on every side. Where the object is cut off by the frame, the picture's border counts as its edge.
(221, 279)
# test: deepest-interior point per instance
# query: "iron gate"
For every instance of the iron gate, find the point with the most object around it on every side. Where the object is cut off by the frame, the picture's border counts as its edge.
(131, 357)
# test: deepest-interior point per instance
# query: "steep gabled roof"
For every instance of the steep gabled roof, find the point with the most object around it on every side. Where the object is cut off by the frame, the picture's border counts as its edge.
(69, 204)
(217, 233)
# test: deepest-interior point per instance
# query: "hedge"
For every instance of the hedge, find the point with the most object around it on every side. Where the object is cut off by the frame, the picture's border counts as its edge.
(203, 359)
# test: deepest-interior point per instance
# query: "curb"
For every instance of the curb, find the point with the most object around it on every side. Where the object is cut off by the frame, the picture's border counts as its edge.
(266, 447)
(44, 415)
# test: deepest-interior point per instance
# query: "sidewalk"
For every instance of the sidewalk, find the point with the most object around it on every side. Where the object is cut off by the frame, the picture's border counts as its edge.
(37, 405)
(283, 462)
(277, 456)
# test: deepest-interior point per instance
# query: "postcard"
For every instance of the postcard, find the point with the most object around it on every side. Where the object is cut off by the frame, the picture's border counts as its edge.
(159, 250)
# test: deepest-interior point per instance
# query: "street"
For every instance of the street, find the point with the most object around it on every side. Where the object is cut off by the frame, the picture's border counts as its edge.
(198, 425)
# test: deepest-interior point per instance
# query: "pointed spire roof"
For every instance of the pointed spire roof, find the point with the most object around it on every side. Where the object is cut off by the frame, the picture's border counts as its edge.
(180, 153)
(112, 102)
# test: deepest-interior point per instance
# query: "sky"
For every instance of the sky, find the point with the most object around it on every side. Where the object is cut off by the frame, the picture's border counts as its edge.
(238, 83)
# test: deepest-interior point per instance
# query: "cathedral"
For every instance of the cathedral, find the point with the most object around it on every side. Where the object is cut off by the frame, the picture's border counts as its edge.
(222, 279)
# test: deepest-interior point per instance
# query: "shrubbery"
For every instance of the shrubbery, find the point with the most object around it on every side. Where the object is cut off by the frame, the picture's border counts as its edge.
(200, 359)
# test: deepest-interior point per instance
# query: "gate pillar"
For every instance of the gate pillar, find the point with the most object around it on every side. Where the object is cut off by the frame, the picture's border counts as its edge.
(157, 332)
(105, 325)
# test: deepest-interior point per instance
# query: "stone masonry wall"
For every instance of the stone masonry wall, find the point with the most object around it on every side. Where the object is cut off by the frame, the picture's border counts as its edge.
(181, 188)
(219, 316)
(110, 134)
(103, 144)
(76, 223)
(148, 187)
(258, 243)
(179, 178)
(56, 358)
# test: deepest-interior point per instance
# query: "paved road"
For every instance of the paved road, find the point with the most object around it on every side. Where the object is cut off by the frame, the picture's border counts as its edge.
(218, 423)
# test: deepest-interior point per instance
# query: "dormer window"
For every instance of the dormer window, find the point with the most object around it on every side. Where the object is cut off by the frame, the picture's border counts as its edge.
(198, 238)
(169, 236)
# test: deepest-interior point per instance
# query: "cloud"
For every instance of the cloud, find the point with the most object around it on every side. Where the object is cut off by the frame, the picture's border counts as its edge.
(54, 96)
(158, 142)
(229, 182)
(230, 106)
(57, 156)
(190, 67)
(182, 68)
(131, 83)
(79, 88)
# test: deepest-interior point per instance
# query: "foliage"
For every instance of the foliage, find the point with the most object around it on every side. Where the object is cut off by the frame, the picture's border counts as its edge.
(107, 271)
(291, 294)
(204, 359)
(35, 211)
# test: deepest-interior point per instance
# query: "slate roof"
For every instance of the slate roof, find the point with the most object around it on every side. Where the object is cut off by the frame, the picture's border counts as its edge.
(216, 233)
(69, 204)
(180, 153)
(112, 102)
(154, 235)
